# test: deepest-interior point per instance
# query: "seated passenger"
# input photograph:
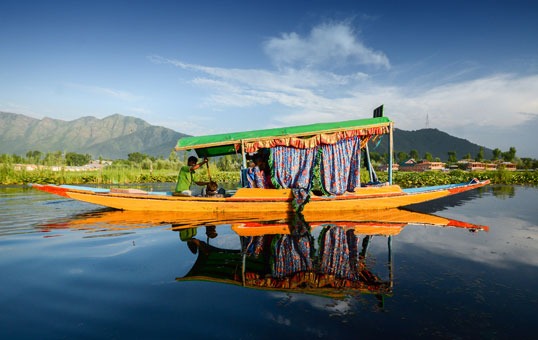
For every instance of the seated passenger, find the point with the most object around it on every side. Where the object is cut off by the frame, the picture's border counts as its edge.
(259, 174)
(260, 179)
(251, 178)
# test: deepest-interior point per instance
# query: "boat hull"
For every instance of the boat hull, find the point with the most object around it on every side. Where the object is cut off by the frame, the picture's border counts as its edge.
(259, 200)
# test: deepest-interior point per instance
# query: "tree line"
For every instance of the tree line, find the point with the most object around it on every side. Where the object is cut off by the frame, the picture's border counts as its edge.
(233, 162)
(50, 158)
(134, 159)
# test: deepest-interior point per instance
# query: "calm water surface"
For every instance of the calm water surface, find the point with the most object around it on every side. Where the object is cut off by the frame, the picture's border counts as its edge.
(74, 270)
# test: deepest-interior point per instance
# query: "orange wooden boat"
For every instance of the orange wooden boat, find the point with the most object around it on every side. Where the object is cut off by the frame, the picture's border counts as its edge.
(259, 200)
(376, 196)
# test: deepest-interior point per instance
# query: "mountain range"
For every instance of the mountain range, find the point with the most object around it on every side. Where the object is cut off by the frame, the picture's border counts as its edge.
(112, 137)
(115, 136)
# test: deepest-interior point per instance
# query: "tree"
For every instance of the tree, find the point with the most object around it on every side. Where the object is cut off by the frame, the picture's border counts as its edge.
(173, 156)
(76, 159)
(137, 157)
(480, 155)
(402, 157)
(526, 163)
(147, 164)
(375, 157)
(228, 163)
(53, 158)
(33, 156)
(496, 154)
(510, 155)
(467, 156)
(428, 156)
(452, 157)
(414, 154)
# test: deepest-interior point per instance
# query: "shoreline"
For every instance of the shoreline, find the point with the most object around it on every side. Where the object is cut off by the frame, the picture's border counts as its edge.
(129, 177)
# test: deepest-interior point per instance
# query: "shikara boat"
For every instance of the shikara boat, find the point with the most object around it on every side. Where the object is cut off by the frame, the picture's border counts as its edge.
(340, 143)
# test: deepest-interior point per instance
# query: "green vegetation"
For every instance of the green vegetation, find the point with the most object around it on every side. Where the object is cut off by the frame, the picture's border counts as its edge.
(427, 178)
(108, 175)
(141, 168)
(126, 175)
(138, 168)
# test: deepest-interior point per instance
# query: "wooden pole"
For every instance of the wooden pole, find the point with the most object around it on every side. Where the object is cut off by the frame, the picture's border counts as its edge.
(391, 148)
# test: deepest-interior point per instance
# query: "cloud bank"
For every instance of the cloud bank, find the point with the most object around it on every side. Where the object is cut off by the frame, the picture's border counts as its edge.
(308, 91)
(326, 44)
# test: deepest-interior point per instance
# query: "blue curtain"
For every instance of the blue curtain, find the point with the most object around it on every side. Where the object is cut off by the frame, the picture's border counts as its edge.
(340, 166)
(293, 169)
(292, 253)
(338, 252)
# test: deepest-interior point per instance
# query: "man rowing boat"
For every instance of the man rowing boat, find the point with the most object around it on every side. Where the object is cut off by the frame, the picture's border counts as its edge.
(185, 176)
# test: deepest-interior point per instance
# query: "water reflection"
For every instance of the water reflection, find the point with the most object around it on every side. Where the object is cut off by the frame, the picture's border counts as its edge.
(322, 258)
(332, 264)
(114, 220)
(320, 254)
(503, 191)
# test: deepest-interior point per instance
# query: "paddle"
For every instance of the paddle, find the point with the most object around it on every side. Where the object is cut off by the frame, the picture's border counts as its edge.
(211, 186)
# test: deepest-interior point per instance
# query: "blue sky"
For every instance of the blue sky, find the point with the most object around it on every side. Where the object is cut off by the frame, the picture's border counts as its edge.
(469, 68)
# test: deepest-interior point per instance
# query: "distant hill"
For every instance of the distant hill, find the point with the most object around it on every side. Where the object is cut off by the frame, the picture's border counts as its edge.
(111, 137)
(116, 136)
(437, 143)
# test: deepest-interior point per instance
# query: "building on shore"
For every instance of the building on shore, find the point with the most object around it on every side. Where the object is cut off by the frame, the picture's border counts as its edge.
(422, 165)
(472, 165)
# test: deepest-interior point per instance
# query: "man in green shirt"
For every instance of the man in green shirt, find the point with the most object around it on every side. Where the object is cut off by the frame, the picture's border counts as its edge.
(184, 178)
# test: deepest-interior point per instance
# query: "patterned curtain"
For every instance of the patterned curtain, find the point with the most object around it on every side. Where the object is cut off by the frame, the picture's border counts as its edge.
(338, 252)
(292, 253)
(340, 166)
(292, 168)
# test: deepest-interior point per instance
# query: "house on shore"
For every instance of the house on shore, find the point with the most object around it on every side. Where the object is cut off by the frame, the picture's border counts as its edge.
(472, 165)
(422, 165)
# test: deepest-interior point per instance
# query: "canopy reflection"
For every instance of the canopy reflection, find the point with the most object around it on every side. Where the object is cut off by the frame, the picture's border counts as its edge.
(322, 258)
(322, 254)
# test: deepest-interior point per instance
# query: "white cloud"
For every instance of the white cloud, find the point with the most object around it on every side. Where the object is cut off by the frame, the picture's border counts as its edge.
(334, 43)
(307, 92)
(497, 100)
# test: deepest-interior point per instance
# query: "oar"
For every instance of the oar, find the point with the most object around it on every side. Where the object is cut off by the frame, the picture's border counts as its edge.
(208, 173)
(211, 186)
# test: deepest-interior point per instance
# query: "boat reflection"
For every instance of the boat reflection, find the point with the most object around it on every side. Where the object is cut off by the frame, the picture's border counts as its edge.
(322, 258)
(119, 220)
(322, 254)
(290, 258)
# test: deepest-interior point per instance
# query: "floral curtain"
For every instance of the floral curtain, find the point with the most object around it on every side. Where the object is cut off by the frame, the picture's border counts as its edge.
(292, 253)
(340, 166)
(339, 252)
(293, 169)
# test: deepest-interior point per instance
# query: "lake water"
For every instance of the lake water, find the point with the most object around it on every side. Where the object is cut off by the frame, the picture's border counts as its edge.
(73, 270)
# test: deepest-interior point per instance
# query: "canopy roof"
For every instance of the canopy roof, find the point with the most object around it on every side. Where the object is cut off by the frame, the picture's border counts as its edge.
(298, 136)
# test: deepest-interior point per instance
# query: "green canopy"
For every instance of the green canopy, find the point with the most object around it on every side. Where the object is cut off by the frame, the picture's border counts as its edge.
(230, 143)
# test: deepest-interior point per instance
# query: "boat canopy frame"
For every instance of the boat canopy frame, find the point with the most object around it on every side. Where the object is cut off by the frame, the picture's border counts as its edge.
(301, 136)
